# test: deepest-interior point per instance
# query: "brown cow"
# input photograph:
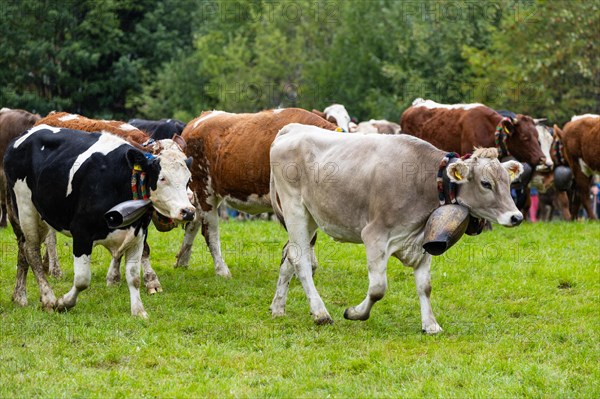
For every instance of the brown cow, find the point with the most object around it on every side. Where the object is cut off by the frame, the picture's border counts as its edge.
(231, 164)
(137, 138)
(462, 127)
(13, 122)
(581, 140)
(78, 122)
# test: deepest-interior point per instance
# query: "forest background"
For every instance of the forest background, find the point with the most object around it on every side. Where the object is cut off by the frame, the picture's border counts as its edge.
(175, 58)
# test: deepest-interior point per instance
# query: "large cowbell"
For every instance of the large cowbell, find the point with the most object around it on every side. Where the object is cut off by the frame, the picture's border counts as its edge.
(446, 225)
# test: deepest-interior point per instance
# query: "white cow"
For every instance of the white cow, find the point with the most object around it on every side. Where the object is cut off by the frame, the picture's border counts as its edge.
(381, 192)
(377, 126)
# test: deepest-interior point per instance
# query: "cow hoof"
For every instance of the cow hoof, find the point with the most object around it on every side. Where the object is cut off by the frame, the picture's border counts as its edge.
(432, 329)
(352, 314)
(113, 280)
(62, 305)
(20, 299)
(3, 224)
(154, 290)
(322, 319)
(141, 314)
(223, 272)
(277, 312)
(181, 265)
(48, 305)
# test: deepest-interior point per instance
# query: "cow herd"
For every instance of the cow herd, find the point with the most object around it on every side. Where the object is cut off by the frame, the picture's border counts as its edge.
(70, 174)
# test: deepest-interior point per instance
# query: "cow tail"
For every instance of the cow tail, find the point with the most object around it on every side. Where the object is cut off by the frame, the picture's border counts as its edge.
(276, 202)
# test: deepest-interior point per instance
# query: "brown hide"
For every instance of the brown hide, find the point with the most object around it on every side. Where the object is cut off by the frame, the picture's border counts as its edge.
(461, 130)
(13, 122)
(232, 150)
(581, 140)
(132, 134)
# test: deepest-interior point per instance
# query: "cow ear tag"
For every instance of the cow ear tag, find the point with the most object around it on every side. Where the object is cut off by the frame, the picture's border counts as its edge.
(456, 174)
(137, 167)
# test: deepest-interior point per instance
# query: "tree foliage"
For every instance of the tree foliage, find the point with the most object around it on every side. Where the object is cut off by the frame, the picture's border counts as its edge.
(163, 58)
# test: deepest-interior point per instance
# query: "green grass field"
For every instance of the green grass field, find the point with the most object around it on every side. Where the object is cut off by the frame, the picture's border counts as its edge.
(520, 310)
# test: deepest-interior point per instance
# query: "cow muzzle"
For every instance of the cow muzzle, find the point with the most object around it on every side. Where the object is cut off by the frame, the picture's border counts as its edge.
(187, 214)
(510, 219)
(545, 165)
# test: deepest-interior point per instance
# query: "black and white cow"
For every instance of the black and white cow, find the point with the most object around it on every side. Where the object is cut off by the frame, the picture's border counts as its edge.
(69, 179)
(159, 130)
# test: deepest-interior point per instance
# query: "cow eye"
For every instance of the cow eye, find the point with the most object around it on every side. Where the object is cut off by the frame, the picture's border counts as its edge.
(162, 179)
(486, 184)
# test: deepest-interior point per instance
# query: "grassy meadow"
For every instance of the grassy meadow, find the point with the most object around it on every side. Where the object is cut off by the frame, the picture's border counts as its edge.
(520, 310)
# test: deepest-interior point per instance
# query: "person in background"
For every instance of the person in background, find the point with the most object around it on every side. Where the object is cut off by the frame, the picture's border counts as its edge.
(595, 191)
(533, 209)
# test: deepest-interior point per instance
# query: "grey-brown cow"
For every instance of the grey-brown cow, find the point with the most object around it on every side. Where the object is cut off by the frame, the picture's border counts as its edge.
(381, 192)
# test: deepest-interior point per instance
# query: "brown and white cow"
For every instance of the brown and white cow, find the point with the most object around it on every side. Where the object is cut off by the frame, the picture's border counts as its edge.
(581, 141)
(336, 113)
(375, 199)
(380, 126)
(170, 150)
(13, 122)
(231, 165)
(550, 196)
(462, 127)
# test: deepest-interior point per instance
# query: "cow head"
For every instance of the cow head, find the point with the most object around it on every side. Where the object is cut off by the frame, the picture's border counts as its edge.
(485, 186)
(523, 140)
(545, 139)
(168, 180)
(336, 114)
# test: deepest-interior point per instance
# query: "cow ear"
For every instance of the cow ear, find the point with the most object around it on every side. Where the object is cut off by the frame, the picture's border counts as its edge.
(509, 125)
(458, 172)
(188, 162)
(513, 168)
(558, 132)
(136, 159)
(180, 141)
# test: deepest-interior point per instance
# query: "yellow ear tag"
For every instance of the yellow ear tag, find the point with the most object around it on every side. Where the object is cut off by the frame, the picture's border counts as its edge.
(506, 130)
(457, 175)
(137, 167)
(339, 129)
(512, 174)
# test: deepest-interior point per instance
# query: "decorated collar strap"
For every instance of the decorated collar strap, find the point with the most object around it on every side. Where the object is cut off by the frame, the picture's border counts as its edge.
(500, 137)
(139, 188)
(447, 193)
(558, 149)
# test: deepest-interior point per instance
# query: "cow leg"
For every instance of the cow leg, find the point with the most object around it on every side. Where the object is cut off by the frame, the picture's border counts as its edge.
(377, 260)
(20, 293)
(286, 272)
(583, 188)
(51, 257)
(81, 279)
(150, 278)
(210, 231)
(191, 231)
(113, 277)
(301, 227)
(423, 283)
(3, 193)
(562, 198)
(30, 229)
(133, 256)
